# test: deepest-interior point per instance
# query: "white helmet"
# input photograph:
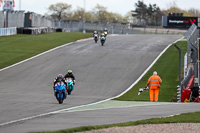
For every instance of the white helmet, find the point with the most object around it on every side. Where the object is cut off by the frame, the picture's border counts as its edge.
(155, 73)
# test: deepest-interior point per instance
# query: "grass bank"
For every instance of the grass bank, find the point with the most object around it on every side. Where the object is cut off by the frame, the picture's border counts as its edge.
(167, 68)
(182, 118)
(16, 48)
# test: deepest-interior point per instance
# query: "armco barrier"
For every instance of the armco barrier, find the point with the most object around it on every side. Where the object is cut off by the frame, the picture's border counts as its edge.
(8, 31)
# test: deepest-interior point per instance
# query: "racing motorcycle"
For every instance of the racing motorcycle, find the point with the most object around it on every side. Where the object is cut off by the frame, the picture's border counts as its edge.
(60, 92)
(70, 85)
(106, 33)
(96, 38)
(103, 39)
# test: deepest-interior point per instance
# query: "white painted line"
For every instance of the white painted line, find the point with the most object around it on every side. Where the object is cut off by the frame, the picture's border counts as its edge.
(147, 69)
(170, 115)
(36, 56)
(58, 111)
(81, 40)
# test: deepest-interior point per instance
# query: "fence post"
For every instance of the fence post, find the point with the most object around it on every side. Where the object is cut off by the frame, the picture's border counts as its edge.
(179, 63)
(179, 86)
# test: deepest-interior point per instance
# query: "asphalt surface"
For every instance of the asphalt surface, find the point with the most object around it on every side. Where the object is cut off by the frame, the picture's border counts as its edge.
(100, 117)
(101, 72)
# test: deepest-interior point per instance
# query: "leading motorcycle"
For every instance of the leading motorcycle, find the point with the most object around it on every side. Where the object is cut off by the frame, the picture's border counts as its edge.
(60, 92)
(103, 39)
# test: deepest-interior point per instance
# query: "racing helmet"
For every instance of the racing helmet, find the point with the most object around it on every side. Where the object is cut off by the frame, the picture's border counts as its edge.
(69, 72)
(60, 77)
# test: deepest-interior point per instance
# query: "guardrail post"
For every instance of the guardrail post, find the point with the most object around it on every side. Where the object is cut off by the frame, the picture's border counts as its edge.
(179, 63)
(179, 86)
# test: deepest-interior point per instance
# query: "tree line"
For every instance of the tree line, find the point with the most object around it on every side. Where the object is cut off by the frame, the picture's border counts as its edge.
(62, 11)
(146, 15)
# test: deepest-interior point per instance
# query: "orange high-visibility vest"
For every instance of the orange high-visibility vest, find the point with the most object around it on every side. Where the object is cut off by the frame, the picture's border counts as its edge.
(154, 82)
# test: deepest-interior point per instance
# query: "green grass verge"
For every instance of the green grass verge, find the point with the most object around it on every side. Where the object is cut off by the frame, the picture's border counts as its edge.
(167, 68)
(16, 48)
(182, 118)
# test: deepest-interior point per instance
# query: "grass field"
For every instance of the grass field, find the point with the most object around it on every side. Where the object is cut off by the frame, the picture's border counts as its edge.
(182, 118)
(16, 48)
(167, 68)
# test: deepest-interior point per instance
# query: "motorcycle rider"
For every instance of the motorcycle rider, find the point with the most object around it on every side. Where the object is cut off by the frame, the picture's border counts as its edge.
(70, 75)
(105, 32)
(59, 78)
(95, 33)
(96, 36)
(103, 35)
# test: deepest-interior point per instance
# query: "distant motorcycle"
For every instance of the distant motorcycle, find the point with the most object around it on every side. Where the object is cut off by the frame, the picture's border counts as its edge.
(103, 39)
(96, 38)
(60, 92)
(106, 33)
(70, 85)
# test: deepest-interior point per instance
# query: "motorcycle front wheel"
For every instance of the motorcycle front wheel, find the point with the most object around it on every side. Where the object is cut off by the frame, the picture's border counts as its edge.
(60, 98)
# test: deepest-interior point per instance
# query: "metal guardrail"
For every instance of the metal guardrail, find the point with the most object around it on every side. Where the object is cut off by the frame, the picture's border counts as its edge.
(113, 28)
(190, 32)
(192, 50)
(191, 60)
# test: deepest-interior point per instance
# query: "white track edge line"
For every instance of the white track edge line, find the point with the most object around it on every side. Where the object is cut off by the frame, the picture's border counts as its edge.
(23, 61)
(36, 56)
(55, 112)
(148, 68)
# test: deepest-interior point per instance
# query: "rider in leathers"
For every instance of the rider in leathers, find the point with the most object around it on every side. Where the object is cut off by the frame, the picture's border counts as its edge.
(59, 78)
(70, 75)
(95, 33)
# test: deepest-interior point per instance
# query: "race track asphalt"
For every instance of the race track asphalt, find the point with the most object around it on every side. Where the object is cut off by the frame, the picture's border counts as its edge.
(101, 72)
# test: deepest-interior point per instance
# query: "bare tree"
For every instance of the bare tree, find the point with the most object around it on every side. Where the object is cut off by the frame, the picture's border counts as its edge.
(194, 11)
(100, 13)
(78, 15)
(59, 11)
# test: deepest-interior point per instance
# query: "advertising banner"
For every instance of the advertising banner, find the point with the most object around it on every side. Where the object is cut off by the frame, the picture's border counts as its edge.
(181, 22)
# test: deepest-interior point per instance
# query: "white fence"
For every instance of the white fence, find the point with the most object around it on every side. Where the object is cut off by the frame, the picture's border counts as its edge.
(8, 31)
